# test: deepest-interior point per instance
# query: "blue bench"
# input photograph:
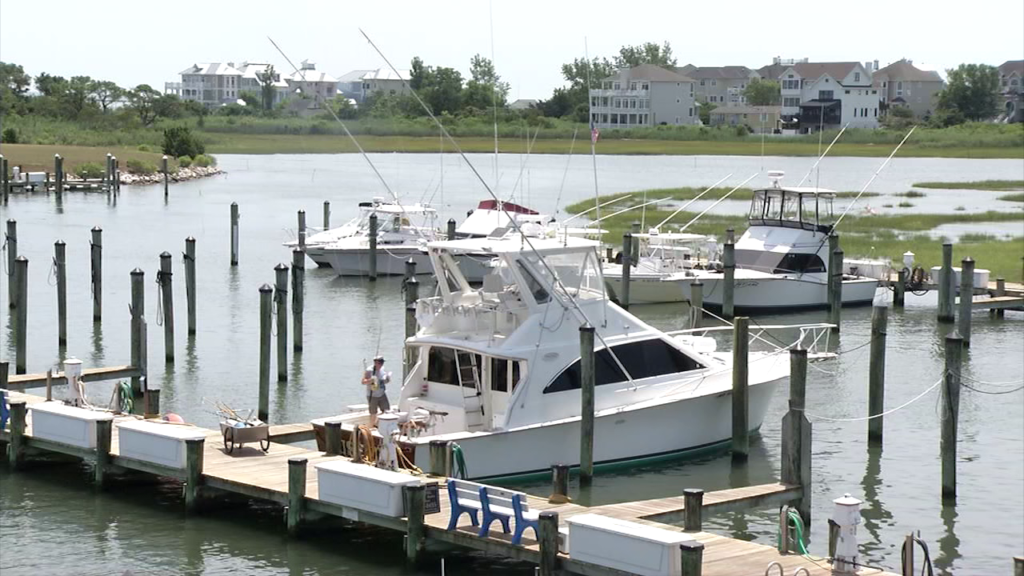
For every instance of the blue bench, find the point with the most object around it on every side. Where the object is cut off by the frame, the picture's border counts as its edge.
(494, 504)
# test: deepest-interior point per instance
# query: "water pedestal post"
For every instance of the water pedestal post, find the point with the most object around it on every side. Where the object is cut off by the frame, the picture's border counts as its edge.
(847, 516)
(451, 228)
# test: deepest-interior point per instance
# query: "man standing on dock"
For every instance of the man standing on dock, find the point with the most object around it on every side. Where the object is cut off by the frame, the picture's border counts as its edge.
(376, 379)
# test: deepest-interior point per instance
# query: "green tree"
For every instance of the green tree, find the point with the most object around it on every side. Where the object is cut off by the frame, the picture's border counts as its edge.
(898, 118)
(705, 109)
(251, 99)
(763, 93)
(267, 89)
(445, 91)
(646, 53)
(75, 97)
(485, 88)
(14, 83)
(560, 104)
(52, 86)
(104, 93)
(419, 74)
(971, 92)
(144, 101)
(583, 76)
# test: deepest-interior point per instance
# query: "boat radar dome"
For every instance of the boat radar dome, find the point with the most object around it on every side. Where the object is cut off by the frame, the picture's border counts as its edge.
(775, 176)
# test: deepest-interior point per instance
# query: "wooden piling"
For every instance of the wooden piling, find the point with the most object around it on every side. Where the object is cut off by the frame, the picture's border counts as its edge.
(796, 435)
(5, 368)
(635, 252)
(440, 459)
(692, 558)
(1018, 566)
(373, 248)
(16, 445)
(281, 309)
(559, 484)
(696, 304)
(12, 254)
(163, 279)
(451, 228)
(60, 263)
(627, 259)
(20, 281)
(302, 231)
(4, 180)
(167, 179)
(49, 384)
(966, 299)
(96, 259)
(234, 234)
(900, 289)
(296, 493)
(327, 214)
(193, 472)
(946, 284)
(587, 383)
(908, 555)
(138, 311)
(266, 313)
(740, 399)
(693, 502)
(190, 283)
(950, 413)
(547, 535)
(1000, 291)
(151, 401)
(412, 294)
(876, 373)
(730, 236)
(835, 293)
(415, 524)
(58, 175)
(104, 429)
(332, 437)
(108, 174)
(729, 280)
(298, 297)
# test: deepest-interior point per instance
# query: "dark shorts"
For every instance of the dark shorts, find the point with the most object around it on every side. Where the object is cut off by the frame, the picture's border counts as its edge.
(378, 403)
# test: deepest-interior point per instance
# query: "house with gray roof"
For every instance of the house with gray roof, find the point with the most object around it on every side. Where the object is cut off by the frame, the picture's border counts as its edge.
(757, 119)
(720, 85)
(1011, 84)
(827, 95)
(903, 84)
(645, 95)
(311, 84)
(251, 81)
(210, 84)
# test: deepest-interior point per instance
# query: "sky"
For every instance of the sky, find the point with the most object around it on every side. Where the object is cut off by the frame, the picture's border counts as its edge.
(151, 42)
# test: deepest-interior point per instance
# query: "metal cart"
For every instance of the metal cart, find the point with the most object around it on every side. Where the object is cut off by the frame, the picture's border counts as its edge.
(242, 435)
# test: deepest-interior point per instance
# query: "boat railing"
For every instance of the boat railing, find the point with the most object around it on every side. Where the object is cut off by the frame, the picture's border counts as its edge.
(491, 316)
(813, 337)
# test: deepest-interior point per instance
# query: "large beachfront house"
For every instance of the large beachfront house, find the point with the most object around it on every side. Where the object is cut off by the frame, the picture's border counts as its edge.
(1011, 84)
(720, 85)
(826, 95)
(903, 84)
(644, 95)
(210, 84)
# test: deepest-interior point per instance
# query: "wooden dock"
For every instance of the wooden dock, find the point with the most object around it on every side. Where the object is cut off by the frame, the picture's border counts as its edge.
(265, 476)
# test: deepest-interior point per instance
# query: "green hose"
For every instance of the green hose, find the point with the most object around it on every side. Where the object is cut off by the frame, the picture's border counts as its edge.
(460, 462)
(127, 401)
(793, 518)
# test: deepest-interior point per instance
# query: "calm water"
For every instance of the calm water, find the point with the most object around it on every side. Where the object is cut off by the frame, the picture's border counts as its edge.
(51, 521)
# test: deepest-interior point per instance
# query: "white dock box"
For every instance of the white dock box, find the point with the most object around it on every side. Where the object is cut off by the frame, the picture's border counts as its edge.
(623, 545)
(363, 487)
(59, 422)
(981, 277)
(154, 442)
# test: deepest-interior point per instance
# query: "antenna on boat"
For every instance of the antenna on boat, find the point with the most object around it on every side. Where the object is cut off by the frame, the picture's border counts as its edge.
(494, 93)
(591, 209)
(607, 216)
(565, 173)
(526, 241)
(593, 132)
(717, 202)
(694, 199)
(873, 176)
(821, 156)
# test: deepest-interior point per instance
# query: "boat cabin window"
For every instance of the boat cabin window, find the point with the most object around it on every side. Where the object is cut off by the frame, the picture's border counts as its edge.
(500, 375)
(540, 295)
(644, 359)
(779, 262)
(578, 272)
(443, 367)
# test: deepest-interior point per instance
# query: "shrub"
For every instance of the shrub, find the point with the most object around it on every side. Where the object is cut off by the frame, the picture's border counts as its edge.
(204, 161)
(144, 148)
(179, 141)
(184, 161)
(10, 136)
(90, 170)
(136, 166)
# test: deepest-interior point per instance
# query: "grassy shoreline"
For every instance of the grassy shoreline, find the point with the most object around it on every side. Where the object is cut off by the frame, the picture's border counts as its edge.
(998, 185)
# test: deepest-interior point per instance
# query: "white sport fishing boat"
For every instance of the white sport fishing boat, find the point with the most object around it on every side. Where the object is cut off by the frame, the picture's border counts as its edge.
(496, 369)
(782, 258)
(399, 238)
(664, 259)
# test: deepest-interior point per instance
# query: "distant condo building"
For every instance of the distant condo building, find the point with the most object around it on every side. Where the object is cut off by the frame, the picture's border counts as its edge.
(645, 95)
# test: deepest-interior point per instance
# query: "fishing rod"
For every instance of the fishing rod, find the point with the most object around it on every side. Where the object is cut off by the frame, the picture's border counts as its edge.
(717, 202)
(873, 176)
(582, 316)
(607, 216)
(694, 199)
(834, 140)
(588, 210)
(565, 173)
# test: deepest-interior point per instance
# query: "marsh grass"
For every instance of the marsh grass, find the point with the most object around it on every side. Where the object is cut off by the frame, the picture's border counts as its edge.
(975, 185)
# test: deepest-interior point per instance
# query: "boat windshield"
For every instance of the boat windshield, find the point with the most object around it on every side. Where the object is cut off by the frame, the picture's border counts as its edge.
(579, 272)
(779, 262)
(791, 208)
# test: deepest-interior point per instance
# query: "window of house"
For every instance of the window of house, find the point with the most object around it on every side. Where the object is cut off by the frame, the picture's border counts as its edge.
(702, 82)
(847, 91)
(617, 86)
(876, 112)
(645, 359)
(825, 95)
(714, 82)
(678, 100)
(854, 112)
(856, 76)
(791, 102)
(1013, 82)
(607, 85)
(632, 85)
(645, 86)
(865, 113)
(690, 112)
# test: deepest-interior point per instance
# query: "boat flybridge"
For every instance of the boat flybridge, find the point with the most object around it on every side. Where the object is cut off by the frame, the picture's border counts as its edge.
(403, 231)
(496, 369)
(659, 275)
(782, 258)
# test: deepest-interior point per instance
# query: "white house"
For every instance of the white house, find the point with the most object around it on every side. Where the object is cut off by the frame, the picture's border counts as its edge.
(250, 82)
(645, 95)
(826, 95)
(308, 82)
(384, 80)
(210, 84)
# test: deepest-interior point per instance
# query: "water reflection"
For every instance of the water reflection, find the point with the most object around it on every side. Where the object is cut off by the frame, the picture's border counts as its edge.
(738, 526)
(98, 353)
(949, 543)
(873, 512)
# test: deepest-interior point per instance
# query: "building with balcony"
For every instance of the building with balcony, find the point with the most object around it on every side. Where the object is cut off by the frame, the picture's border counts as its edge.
(720, 85)
(210, 84)
(309, 84)
(252, 74)
(385, 81)
(1011, 85)
(827, 95)
(645, 95)
(757, 119)
(903, 84)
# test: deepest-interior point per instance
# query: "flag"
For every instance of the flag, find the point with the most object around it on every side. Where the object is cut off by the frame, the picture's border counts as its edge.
(594, 133)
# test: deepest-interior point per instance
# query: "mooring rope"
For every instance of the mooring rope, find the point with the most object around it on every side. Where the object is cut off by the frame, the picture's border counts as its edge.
(886, 413)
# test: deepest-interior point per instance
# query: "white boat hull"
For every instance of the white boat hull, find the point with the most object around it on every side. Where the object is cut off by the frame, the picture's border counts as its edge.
(764, 291)
(650, 289)
(391, 262)
(687, 424)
